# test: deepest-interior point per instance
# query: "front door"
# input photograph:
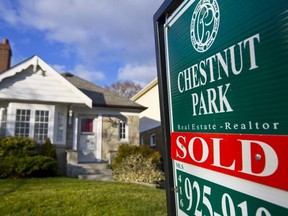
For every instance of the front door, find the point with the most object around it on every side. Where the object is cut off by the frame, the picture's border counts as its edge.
(87, 144)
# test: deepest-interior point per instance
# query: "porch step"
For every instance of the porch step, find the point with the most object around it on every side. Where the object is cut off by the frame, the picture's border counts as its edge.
(99, 177)
(96, 171)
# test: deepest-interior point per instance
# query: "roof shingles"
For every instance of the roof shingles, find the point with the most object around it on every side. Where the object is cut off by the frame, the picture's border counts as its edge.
(101, 97)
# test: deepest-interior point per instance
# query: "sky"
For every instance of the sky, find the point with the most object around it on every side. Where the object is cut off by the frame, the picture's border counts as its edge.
(103, 41)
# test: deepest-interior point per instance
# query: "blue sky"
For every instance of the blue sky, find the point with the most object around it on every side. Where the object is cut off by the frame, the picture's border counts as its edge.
(100, 40)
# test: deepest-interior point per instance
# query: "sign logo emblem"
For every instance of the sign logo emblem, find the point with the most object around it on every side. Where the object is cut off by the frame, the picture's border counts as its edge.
(204, 24)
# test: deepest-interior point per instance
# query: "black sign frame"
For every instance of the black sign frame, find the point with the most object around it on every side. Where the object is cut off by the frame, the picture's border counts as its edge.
(159, 19)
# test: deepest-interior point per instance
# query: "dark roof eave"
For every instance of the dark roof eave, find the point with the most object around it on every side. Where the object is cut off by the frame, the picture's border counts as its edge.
(120, 106)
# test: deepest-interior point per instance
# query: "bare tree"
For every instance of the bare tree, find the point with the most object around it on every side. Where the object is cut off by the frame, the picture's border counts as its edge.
(124, 88)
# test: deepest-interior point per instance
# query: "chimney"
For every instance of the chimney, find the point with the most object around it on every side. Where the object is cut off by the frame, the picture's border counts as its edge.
(5, 55)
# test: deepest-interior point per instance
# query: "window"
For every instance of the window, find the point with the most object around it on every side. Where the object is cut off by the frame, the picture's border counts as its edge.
(22, 124)
(87, 125)
(3, 117)
(142, 140)
(32, 120)
(123, 131)
(152, 140)
(41, 125)
(60, 127)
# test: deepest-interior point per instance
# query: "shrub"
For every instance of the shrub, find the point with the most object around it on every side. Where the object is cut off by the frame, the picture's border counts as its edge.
(126, 150)
(137, 164)
(18, 146)
(21, 157)
(48, 149)
(137, 168)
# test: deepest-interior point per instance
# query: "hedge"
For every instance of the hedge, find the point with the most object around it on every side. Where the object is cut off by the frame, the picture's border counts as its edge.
(22, 157)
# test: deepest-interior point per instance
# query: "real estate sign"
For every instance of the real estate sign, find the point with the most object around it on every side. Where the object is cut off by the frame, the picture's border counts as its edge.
(227, 78)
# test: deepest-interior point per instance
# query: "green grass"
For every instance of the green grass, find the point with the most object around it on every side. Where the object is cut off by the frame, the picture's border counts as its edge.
(66, 196)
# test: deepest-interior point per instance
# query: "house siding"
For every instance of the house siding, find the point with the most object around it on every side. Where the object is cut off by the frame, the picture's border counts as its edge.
(159, 138)
(38, 86)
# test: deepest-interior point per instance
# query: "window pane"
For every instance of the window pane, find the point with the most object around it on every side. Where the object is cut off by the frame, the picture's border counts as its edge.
(87, 125)
(153, 140)
(122, 130)
(41, 122)
(22, 123)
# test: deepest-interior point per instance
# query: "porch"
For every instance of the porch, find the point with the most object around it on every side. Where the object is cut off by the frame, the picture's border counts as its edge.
(89, 171)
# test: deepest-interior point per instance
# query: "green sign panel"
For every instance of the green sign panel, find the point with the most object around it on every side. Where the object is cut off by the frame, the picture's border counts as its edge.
(197, 196)
(227, 66)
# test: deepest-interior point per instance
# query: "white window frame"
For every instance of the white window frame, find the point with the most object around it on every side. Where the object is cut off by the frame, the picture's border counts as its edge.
(153, 140)
(27, 122)
(3, 118)
(125, 139)
(44, 121)
(57, 124)
(11, 118)
(142, 140)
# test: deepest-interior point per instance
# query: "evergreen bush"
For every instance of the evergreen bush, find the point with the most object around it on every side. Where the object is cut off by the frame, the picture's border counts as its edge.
(21, 157)
(48, 149)
(18, 146)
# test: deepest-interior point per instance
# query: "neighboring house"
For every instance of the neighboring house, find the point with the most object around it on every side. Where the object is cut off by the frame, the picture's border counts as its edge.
(150, 121)
(85, 122)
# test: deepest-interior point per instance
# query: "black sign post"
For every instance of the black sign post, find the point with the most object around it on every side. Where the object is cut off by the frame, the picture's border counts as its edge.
(159, 20)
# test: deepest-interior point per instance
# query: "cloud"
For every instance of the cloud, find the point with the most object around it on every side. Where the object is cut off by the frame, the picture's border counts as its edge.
(83, 72)
(95, 32)
(122, 27)
(8, 13)
(59, 68)
(141, 74)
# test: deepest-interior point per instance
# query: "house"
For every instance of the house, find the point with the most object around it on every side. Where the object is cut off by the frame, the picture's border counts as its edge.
(85, 122)
(150, 120)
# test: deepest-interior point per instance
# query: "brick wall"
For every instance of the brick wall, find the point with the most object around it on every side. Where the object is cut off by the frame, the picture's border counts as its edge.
(159, 138)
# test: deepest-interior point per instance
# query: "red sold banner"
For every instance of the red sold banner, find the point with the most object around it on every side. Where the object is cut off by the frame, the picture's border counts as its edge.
(258, 158)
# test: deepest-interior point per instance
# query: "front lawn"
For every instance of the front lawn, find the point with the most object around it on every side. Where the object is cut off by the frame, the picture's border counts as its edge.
(66, 196)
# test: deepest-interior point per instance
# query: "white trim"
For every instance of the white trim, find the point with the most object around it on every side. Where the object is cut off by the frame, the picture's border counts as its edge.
(97, 134)
(75, 132)
(99, 137)
(177, 13)
(126, 139)
(142, 140)
(11, 114)
(168, 80)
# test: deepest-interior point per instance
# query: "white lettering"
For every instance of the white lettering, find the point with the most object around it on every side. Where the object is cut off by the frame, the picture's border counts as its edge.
(270, 157)
(181, 147)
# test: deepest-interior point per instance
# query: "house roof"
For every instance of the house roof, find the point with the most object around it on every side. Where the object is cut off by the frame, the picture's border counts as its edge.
(87, 92)
(38, 64)
(101, 97)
